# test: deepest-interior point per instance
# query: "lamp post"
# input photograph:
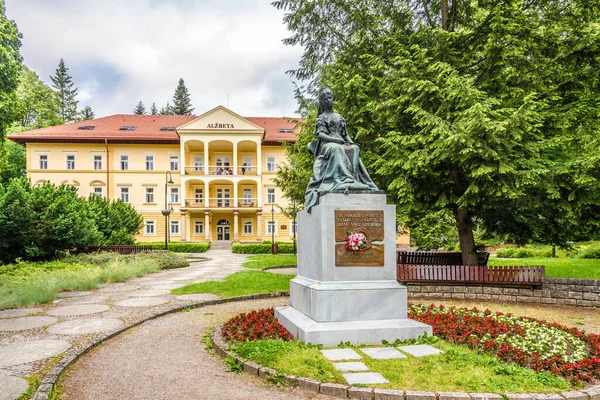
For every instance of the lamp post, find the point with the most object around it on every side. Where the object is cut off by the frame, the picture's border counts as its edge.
(295, 227)
(272, 228)
(166, 212)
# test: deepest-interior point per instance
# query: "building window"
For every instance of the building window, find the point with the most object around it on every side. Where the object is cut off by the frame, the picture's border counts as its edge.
(247, 228)
(270, 164)
(198, 164)
(198, 198)
(71, 162)
(149, 228)
(125, 194)
(174, 195)
(247, 196)
(174, 227)
(43, 161)
(293, 227)
(246, 165)
(174, 163)
(149, 195)
(271, 229)
(198, 227)
(98, 191)
(97, 162)
(124, 163)
(149, 163)
(270, 195)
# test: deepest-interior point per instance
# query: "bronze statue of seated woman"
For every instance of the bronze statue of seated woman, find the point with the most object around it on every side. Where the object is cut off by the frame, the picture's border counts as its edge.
(337, 166)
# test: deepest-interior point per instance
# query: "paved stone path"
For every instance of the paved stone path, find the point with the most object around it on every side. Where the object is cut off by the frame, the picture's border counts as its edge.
(31, 338)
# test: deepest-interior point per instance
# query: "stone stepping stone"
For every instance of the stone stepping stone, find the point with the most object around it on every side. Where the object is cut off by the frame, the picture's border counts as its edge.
(420, 350)
(12, 386)
(341, 354)
(365, 378)
(19, 312)
(141, 302)
(72, 294)
(382, 353)
(32, 350)
(150, 293)
(24, 323)
(124, 288)
(351, 366)
(167, 287)
(283, 271)
(85, 326)
(198, 297)
(183, 278)
(82, 309)
(86, 300)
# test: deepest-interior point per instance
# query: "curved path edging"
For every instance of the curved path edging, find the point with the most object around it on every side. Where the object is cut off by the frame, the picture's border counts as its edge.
(47, 384)
(342, 391)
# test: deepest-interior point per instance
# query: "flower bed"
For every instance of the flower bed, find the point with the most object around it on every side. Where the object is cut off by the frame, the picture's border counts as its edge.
(255, 325)
(539, 345)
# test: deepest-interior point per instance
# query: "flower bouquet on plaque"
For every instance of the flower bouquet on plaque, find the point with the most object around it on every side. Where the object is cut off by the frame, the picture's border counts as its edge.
(356, 241)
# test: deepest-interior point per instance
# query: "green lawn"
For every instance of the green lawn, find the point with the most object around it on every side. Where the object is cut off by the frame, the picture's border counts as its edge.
(260, 261)
(558, 267)
(240, 283)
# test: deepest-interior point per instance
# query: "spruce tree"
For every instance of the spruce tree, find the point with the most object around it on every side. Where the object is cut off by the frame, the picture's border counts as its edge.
(139, 109)
(66, 92)
(153, 109)
(182, 104)
(166, 110)
(87, 113)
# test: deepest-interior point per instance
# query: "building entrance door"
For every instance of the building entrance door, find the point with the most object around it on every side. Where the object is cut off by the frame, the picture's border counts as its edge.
(223, 231)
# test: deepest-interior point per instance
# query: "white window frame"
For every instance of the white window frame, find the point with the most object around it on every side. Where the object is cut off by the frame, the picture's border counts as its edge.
(198, 231)
(198, 163)
(174, 163)
(97, 190)
(271, 165)
(268, 224)
(271, 196)
(70, 163)
(247, 200)
(149, 163)
(43, 162)
(149, 191)
(97, 164)
(174, 195)
(124, 162)
(147, 224)
(125, 191)
(174, 228)
(245, 223)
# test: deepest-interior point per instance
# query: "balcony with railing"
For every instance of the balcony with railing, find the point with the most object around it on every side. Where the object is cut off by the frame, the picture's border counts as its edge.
(222, 202)
(222, 170)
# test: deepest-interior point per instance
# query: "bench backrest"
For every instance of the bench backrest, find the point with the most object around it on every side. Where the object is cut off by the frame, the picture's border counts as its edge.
(437, 258)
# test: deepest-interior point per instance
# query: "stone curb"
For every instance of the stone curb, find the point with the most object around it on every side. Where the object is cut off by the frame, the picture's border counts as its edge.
(47, 384)
(220, 346)
(280, 267)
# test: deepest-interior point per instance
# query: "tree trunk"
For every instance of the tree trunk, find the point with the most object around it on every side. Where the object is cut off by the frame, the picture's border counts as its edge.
(465, 236)
(444, 14)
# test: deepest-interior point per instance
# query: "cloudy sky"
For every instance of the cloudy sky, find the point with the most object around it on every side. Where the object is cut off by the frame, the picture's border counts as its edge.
(121, 52)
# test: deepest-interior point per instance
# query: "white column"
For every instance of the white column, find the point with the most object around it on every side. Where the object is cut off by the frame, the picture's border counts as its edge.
(205, 156)
(184, 232)
(259, 158)
(236, 236)
(235, 159)
(259, 190)
(207, 226)
(235, 194)
(206, 193)
(259, 226)
(182, 158)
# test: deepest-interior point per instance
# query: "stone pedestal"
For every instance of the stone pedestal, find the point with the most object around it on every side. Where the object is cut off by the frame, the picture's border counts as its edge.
(340, 295)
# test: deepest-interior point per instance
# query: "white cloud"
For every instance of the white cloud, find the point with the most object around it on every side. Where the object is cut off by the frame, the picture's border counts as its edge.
(120, 52)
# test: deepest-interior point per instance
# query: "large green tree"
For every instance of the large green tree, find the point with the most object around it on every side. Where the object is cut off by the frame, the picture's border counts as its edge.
(140, 109)
(87, 113)
(66, 92)
(153, 109)
(10, 67)
(13, 162)
(37, 105)
(486, 110)
(182, 105)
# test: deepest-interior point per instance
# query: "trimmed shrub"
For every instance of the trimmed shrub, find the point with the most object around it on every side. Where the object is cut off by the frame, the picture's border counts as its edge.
(261, 248)
(514, 252)
(592, 251)
(178, 247)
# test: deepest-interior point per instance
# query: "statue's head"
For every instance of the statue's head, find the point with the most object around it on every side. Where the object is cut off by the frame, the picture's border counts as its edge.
(325, 100)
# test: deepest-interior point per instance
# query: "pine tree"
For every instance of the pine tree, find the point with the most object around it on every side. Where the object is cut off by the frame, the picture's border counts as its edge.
(66, 92)
(153, 109)
(87, 113)
(182, 104)
(166, 110)
(139, 109)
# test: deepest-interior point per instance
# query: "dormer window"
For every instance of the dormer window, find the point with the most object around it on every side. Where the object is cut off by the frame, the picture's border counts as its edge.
(167, 128)
(286, 130)
(86, 127)
(127, 128)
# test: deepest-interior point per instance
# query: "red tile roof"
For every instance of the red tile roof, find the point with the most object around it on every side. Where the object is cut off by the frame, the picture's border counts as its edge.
(147, 130)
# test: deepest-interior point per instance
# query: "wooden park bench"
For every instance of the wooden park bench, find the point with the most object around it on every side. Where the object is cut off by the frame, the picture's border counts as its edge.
(122, 249)
(438, 257)
(427, 268)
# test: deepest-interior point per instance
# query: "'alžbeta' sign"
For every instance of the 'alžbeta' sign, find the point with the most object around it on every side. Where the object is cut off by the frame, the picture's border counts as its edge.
(220, 126)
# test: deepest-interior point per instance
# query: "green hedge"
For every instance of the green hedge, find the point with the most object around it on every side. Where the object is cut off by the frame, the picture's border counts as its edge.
(592, 251)
(261, 248)
(179, 247)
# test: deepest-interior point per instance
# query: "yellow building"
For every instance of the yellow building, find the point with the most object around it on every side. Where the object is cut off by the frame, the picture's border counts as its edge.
(214, 170)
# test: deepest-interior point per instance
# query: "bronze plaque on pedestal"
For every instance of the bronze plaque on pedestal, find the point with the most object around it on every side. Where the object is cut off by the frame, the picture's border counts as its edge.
(367, 227)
